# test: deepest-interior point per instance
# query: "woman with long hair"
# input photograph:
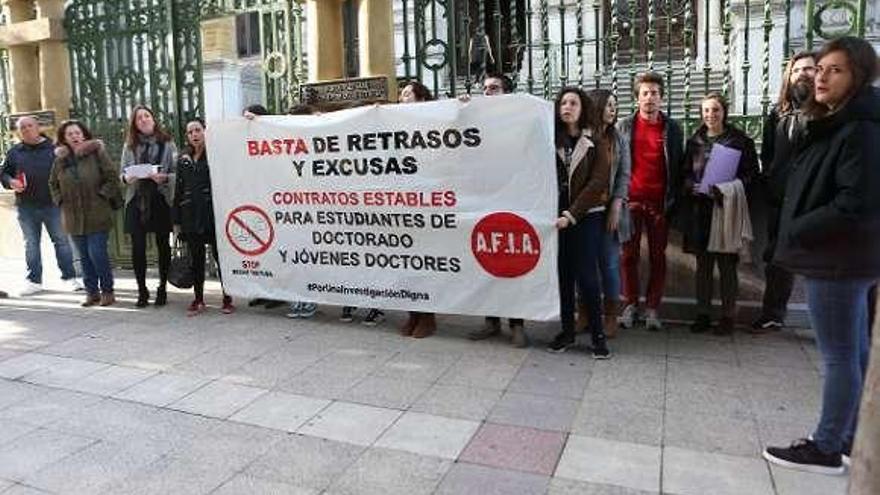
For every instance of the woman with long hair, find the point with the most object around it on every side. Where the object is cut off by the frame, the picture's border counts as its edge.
(148, 197)
(85, 185)
(418, 324)
(193, 212)
(697, 211)
(830, 235)
(583, 169)
(617, 223)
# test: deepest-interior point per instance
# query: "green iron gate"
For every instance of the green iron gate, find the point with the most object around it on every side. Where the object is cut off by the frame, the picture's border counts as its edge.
(129, 52)
(125, 52)
(545, 44)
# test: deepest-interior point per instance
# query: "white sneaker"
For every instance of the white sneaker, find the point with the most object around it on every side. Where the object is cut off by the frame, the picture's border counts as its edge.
(30, 289)
(629, 316)
(652, 321)
(75, 284)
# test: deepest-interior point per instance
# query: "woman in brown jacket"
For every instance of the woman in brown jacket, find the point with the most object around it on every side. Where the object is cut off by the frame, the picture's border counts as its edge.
(84, 183)
(583, 170)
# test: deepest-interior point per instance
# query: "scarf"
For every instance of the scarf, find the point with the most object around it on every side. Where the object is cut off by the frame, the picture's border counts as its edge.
(148, 151)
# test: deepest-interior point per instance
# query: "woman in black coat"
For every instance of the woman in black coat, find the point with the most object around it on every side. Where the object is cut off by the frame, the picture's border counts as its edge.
(696, 211)
(830, 234)
(194, 212)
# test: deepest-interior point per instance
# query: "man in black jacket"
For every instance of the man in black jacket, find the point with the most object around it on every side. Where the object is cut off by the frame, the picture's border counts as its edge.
(782, 131)
(26, 171)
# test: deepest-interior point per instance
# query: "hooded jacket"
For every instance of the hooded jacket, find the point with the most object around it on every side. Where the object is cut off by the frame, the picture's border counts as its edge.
(34, 161)
(830, 222)
(85, 184)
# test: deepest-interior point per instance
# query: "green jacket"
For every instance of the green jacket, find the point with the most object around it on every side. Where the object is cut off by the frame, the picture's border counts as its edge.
(85, 185)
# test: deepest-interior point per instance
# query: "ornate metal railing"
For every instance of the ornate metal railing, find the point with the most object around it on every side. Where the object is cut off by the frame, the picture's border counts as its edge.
(121, 53)
(545, 44)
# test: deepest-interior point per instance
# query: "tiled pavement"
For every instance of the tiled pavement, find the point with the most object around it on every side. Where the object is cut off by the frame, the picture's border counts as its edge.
(126, 401)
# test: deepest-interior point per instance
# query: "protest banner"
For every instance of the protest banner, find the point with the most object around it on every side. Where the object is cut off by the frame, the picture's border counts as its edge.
(445, 207)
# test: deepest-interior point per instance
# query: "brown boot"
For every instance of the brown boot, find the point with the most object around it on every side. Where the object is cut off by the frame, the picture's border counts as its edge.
(411, 321)
(491, 328)
(426, 326)
(583, 320)
(107, 299)
(518, 336)
(609, 318)
(91, 300)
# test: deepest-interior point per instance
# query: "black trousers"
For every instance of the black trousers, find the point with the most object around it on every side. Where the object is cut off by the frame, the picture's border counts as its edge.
(197, 248)
(578, 267)
(139, 256)
(705, 278)
(872, 310)
(778, 282)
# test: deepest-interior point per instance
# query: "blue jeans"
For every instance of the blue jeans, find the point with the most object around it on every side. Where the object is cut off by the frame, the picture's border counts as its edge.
(31, 219)
(609, 267)
(579, 247)
(97, 272)
(839, 316)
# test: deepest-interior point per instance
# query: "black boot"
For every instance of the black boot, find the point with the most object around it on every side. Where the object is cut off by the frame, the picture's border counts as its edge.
(599, 346)
(143, 297)
(161, 296)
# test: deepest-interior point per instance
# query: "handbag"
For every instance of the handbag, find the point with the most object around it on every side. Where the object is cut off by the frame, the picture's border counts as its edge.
(180, 272)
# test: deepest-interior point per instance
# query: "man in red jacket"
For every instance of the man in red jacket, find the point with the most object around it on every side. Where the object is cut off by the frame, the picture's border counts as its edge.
(656, 143)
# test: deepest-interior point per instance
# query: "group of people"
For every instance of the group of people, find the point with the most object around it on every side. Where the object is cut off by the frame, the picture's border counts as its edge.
(72, 187)
(617, 181)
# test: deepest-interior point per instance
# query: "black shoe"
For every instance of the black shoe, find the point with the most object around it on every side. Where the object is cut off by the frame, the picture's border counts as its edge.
(725, 327)
(701, 324)
(347, 315)
(161, 297)
(256, 302)
(845, 454)
(561, 343)
(143, 298)
(374, 317)
(804, 455)
(765, 324)
(273, 304)
(600, 351)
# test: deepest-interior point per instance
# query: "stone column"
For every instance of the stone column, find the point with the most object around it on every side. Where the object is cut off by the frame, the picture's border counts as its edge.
(54, 64)
(376, 42)
(326, 54)
(221, 72)
(50, 9)
(24, 76)
(55, 78)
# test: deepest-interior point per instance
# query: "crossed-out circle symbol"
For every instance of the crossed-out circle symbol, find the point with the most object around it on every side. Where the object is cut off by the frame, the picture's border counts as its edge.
(249, 230)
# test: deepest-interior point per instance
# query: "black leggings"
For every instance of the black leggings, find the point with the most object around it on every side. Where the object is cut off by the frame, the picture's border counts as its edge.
(197, 253)
(139, 256)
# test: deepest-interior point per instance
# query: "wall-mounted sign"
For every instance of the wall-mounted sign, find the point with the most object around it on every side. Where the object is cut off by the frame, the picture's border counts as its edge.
(364, 89)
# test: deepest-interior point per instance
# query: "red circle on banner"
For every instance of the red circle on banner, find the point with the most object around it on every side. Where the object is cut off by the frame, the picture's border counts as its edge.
(506, 245)
(249, 230)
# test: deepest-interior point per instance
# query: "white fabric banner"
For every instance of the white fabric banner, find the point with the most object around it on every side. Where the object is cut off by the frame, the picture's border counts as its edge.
(443, 207)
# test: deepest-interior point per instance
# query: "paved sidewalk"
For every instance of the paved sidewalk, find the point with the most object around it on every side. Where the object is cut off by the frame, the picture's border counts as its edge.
(119, 400)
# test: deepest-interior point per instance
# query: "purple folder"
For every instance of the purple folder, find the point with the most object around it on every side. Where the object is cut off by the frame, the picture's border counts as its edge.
(721, 167)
